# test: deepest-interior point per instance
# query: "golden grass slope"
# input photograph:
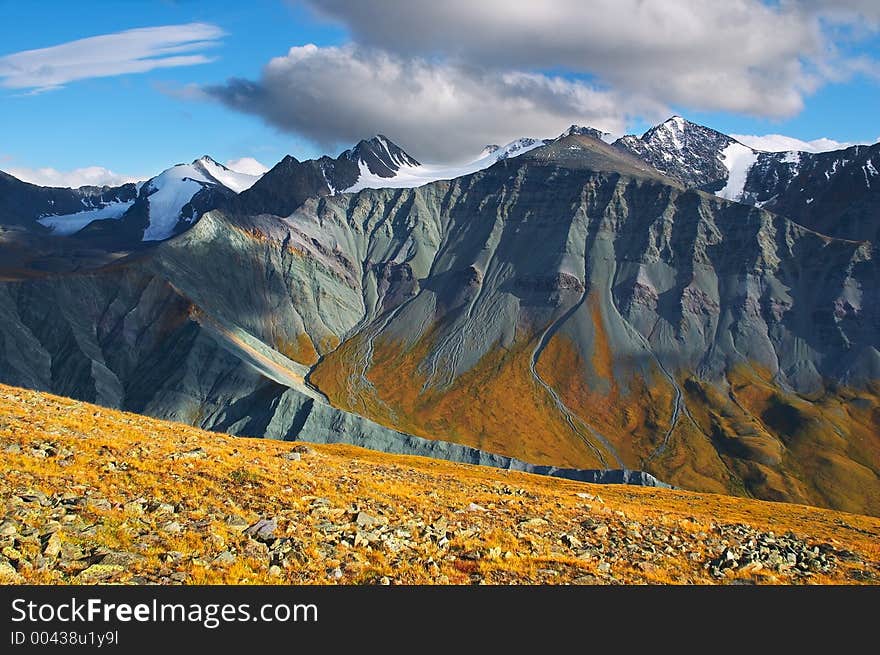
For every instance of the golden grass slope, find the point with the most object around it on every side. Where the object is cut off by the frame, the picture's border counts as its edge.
(437, 522)
(745, 437)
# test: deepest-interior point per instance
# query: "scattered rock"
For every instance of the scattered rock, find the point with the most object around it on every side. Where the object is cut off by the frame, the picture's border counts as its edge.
(8, 575)
(752, 550)
(225, 558)
(99, 573)
(237, 523)
(571, 541)
(195, 453)
(365, 520)
(53, 545)
(97, 502)
(121, 558)
(172, 527)
(262, 530)
(532, 522)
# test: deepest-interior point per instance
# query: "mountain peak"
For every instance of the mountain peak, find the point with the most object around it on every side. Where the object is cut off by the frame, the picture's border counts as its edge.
(582, 130)
(693, 154)
(676, 130)
(207, 159)
(380, 155)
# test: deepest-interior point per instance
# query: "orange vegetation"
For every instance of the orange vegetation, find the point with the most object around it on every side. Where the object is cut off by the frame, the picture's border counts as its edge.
(302, 351)
(503, 526)
(495, 406)
(741, 436)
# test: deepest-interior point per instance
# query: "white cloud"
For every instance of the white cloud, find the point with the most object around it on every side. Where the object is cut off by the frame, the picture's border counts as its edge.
(131, 51)
(437, 111)
(88, 176)
(781, 143)
(744, 56)
(247, 165)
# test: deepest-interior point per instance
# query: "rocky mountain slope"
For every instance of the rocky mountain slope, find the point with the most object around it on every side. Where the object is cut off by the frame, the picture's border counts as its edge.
(46, 209)
(834, 193)
(90, 495)
(690, 153)
(569, 305)
(121, 217)
(718, 346)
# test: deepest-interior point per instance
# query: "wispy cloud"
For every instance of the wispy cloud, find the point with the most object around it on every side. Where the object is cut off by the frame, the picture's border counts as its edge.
(89, 175)
(130, 51)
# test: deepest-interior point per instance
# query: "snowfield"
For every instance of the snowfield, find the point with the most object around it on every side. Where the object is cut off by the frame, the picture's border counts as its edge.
(738, 159)
(67, 224)
(409, 176)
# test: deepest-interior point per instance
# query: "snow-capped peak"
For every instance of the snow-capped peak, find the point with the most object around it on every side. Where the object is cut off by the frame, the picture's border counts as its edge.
(516, 148)
(232, 180)
(170, 191)
(380, 155)
(581, 130)
(408, 176)
(208, 160)
(669, 133)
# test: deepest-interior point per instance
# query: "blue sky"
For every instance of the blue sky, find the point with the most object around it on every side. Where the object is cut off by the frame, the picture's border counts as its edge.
(137, 124)
(126, 123)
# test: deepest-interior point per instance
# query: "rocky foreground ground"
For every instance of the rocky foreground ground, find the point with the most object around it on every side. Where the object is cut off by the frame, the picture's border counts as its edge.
(90, 495)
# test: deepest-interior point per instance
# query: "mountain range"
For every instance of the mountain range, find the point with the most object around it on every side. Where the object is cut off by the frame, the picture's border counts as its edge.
(677, 305)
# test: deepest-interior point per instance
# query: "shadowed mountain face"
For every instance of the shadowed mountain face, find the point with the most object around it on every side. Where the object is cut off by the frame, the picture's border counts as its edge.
(284, 188)
(836, 193)
(570, 307)
(22, 204)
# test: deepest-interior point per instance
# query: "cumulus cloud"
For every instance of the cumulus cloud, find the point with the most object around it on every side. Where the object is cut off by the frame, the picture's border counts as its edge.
(743, 56)
(88, 176)
(247, 165)
(437, 110)
(444, 77)
(131, 51)
(781, 143)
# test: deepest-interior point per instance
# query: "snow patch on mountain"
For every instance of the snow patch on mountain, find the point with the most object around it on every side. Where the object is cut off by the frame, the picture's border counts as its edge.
(229, 178)
(738, 159)
(409, 176)
(248, 166)
(67, 224)
(167, 195)
(669, 135)
(782, 143)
